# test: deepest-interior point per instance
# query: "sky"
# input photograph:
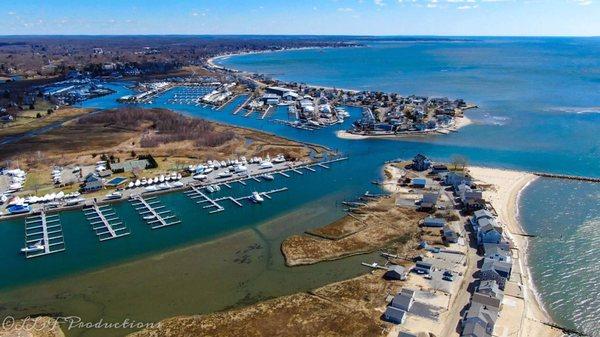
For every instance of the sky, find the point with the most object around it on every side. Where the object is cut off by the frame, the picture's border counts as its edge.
(305, 17)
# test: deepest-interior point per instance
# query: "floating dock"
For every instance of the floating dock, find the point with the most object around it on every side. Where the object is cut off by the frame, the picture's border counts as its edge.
(105, 222)
(153, 213)
(196, 193)
(45, 230)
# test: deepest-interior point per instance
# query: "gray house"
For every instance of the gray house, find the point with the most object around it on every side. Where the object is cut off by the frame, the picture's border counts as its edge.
(396, 272)
(404, 300)
(394, 315)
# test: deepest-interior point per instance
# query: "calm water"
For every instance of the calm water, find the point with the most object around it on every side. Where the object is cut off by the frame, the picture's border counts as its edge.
(539, 111)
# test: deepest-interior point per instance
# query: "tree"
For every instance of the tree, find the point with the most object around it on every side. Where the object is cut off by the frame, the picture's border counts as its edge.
(459, 161)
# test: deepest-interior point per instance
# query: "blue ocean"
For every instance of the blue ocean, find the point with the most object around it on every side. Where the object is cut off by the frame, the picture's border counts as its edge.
(539, 110)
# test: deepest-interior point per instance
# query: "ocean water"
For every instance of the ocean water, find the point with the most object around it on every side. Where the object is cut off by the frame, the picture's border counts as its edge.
(539, 111)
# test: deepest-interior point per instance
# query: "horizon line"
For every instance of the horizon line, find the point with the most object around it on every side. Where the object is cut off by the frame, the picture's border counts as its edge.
(295, 35)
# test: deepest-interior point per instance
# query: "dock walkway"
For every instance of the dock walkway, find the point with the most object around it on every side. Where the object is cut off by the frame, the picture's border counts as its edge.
(152, 212)
(105, 222)
(45, 230)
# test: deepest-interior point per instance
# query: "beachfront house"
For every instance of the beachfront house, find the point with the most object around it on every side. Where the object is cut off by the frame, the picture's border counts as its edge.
(488, 232)
(420, 163)
(455, 179)
(434, 222)
(479, 320)
(404, 299)
(489, 293)
(497, 251)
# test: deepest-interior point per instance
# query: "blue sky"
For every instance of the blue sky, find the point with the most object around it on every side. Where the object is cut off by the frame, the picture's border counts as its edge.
(351, 17)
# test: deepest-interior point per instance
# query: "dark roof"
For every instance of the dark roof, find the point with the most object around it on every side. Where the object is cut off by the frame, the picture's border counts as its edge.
(402, 301)
(395, 313)
(434, 222)
(498, 266)
(482, 213)
(474, 329)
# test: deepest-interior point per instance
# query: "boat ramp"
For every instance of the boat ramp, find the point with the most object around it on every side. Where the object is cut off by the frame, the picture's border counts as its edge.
(153, 212)
(45, 232)
(105, 222)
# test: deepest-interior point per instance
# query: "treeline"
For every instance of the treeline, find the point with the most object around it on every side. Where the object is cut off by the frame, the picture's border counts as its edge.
(167, 125)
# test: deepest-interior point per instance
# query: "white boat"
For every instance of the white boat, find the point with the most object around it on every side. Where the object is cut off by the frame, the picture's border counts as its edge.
(167, 178)
(210, 189)
(149, 217)
(257, 198)
(178, 176)
(223, 163)
(208, 170)
(199, 176)
(266, 164)
(3, 198)
(144, 182)
(137, 183)
(163, 186)
(114, 195)
(162, 178)
(60, 195)
(36, 247)
(73, 201)
(155, 181)
(178, 184)
(224, 175)
(279, 159)
(151, 188)
(131, 184)
(217, 188)
(240, 168)
(268, 177)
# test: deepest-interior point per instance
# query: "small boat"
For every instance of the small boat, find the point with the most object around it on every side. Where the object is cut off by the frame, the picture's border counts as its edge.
(224, 175)
(144, 182)
(279, 159)
(266, 164)
(178, 184)
(73, 201)
(149, 217)
(268, 177)
(131, 184)
(257, 198)
(178, 176)
(162, 178)
(217, 188)
(36, 247)
(18, 209)
(151, 188)
(210, 189)
(208, 170)
(137, 183)
(114, 195)
(155, 181)
(163, 186)
(199, 176)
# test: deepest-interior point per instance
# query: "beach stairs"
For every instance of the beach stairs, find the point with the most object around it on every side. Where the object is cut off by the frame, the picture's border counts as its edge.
(196, 194)
(153, 212)
(46, 230)
(105, 222)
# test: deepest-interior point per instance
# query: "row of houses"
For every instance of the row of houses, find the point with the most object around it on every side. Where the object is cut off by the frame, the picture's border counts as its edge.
(486, 302)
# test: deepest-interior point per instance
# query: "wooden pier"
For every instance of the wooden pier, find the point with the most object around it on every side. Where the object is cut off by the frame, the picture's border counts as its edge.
(105, 222)
(153, 212)
(46, 231)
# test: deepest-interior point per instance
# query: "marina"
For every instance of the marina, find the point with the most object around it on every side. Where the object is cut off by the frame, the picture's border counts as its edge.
(43, 235)
(105, 222)
(153, 212)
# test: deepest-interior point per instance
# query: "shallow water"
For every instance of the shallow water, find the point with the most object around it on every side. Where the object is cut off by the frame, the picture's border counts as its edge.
(528, 120)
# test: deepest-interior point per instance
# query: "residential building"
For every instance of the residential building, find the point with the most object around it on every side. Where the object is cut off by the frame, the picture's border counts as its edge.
(420, 163)
(434, 222)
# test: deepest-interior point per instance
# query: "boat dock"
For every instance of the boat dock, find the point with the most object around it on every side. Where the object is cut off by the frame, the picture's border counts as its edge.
(266, 194)
(196, 193)
(241, 106)
(153, 212)
(105, 222)
(45, 230)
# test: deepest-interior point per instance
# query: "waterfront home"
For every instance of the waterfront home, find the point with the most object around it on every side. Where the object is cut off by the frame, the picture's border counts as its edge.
(420, 163)
(434, 222)
(438, 168)
(404, 300)
(396, 272)
(279, 91)
(270, 99)
(419, 182)
(498, 252)
(489, 293)
(92, 182)
(488, 232)
(503, 268)
(455, 179)
(478, 215)
(479, 320)
(394, 315)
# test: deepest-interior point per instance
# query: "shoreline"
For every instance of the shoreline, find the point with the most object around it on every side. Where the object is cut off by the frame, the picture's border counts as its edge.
(461, 122)
(509, 186)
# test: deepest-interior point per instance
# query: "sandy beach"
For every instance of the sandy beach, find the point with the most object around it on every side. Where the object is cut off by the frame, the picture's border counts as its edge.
(503, 193)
